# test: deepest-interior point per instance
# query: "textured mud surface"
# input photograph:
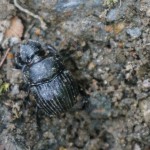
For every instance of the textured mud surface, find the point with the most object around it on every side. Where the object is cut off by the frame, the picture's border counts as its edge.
(105, 44)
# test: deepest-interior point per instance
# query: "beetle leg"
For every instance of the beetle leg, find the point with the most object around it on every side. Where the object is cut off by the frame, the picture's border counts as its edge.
(51, 49)
(19, 64)
(37, 117)
(26, 100)
(85, 102)
(81, 105)
(39, 131)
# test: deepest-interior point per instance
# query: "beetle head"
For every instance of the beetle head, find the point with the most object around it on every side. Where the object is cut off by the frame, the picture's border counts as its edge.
(29, 50)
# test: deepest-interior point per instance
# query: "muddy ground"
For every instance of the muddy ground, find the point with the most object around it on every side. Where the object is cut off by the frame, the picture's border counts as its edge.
(106, 46)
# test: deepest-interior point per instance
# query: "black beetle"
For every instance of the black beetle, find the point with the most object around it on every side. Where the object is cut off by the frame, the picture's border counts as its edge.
(53, 86)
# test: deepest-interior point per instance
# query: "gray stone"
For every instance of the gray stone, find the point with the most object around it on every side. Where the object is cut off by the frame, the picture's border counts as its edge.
(100, 106)
(134, 32)
(145, 108)
(113, 15)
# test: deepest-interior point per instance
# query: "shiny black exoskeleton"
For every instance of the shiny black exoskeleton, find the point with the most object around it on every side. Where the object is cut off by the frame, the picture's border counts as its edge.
(53, 86)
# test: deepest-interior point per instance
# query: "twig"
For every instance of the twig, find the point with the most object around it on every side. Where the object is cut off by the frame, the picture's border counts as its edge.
(120, 4)
(147, 44)
(43, 24)
(28, 29)
(4, 58)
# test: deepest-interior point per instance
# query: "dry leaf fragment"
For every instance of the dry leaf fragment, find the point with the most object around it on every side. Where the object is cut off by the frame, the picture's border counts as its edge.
(116, 28)
(109, 28)
(62, 148)
(37, 31)
(10, 55)
(16, 110)
(2, 147)
(119, 27)
(15, 29)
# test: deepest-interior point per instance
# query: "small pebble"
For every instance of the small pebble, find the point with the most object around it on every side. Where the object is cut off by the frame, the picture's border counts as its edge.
(145, 108)
(137, 147)
(148, 13)
(134, 32)
(15, 90)
(113, 15)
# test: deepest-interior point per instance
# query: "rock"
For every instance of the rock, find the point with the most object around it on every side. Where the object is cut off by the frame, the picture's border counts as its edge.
(64, 9)
(113, 15)
(100, 106)
(146, 83)
(7, 10)
(148, 13)
(1, 36)
(134, 32)
(15, 90)
(48, 135)
(137, 147)
(145, 108)
(62, 5)
(4, 24)
(15, 76)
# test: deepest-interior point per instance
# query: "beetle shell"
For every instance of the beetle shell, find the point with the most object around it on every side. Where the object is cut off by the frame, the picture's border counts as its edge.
(57, 95)
(53, 86)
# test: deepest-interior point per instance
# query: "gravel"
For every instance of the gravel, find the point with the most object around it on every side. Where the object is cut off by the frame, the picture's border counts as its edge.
(106, 48)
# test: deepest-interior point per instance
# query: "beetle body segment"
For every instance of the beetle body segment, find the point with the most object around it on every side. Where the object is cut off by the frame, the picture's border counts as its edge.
(43, 70)
(57, 95)
(53, 86)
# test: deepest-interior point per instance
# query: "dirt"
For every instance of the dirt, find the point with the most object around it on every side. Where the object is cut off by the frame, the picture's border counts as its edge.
(106, 47)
